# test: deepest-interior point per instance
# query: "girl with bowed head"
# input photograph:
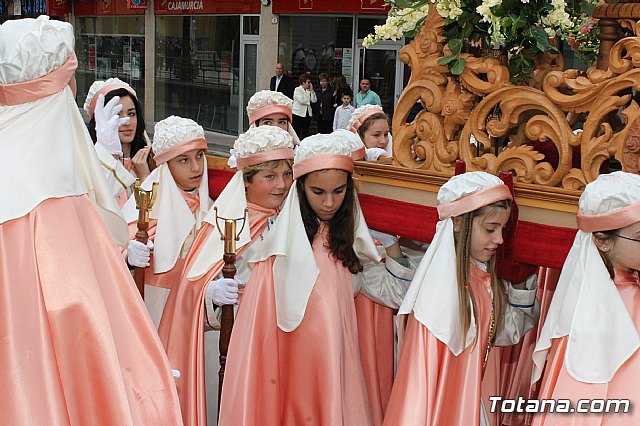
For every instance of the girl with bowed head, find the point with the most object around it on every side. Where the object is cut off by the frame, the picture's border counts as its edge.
(293, 356)
(590, 338)
(375, 321)
(78, 346)
(264, 156)
(182, 201)
(372, 125)
(458, 309)
(118, 130)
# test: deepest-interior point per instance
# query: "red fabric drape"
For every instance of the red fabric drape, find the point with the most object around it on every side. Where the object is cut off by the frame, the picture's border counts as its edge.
(534, 243)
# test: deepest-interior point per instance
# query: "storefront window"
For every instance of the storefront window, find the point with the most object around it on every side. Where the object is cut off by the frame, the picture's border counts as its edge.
(317, 45)
(110, 46)
(197, 70)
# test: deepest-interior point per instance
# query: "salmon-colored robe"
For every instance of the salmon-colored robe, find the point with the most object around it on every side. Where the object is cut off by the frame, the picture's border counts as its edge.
(517, 361)
(434, 387)
(376, 342)
(558, 384)
(312, 375)
(182, 325)
(155, 298)
(77, 345)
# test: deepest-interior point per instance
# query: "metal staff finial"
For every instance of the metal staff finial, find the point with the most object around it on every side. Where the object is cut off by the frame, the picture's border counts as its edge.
(144, 200)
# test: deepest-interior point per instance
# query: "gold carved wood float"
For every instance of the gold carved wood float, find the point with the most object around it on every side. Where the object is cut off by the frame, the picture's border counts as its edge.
(515, 127)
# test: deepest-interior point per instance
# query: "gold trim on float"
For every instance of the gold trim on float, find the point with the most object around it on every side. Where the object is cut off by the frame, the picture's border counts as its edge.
(538, 196)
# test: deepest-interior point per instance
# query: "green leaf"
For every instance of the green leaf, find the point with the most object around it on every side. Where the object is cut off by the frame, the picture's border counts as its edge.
(446, 60)
(458, 66)
(541, 37)
(455, 45)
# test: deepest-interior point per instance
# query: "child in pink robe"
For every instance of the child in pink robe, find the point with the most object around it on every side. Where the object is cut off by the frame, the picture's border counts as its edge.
(294, 356)
(78, 346)
(458, 310)
(591, 336)
(264, 155)
(182, 201)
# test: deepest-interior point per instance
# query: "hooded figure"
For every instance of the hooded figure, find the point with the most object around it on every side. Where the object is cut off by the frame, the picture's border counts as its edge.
(78, 346)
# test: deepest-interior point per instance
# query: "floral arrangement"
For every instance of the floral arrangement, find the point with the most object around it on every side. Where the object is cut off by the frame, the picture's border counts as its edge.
(582, 37)
(520, 28)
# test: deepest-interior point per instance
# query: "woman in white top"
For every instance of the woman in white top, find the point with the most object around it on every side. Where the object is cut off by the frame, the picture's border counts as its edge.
(303, 97)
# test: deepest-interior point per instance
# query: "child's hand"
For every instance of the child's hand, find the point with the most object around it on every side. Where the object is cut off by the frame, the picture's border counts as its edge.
(140, 163)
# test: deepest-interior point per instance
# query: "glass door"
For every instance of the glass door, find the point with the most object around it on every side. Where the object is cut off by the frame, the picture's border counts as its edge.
(249, 81)
(381, 65)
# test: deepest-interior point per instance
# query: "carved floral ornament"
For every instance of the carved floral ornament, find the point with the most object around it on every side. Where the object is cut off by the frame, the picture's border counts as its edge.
(493, 125)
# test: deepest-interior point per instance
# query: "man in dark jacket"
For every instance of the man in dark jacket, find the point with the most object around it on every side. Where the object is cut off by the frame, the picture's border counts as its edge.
(282, 83)
(324, 106)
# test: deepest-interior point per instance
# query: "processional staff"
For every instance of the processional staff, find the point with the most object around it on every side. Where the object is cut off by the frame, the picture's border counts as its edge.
(230, 237)
(144, 203)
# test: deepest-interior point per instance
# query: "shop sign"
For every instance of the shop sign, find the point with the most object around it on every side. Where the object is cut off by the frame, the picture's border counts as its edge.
(373, 5)
(105, 7)
(378, 7)
(136, 4)
(58, 7)
(188, 7)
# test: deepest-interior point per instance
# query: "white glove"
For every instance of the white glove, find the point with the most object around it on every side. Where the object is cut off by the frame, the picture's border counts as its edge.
(224, 291)
(138, 254)
(385, 239)
(232, 161)
(374, 153)
(107, 124)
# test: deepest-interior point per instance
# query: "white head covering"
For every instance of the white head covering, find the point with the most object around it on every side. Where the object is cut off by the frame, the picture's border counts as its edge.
(257, 145)
(358, 150)
(360, 115)
(61, 159)
(267, 102)
(99, 86)
(176, 224)
(295, 270)
(586, 305)
(433, 294)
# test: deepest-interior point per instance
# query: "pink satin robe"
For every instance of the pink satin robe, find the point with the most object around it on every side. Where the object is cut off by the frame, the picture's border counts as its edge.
(312, 375)
(517, 361)
(558, 384)
(78, 346)
(434, 387)
(376, 341)
(182, 325)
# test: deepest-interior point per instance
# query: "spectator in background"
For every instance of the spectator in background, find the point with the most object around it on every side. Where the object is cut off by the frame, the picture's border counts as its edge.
(282, 82)
(343, 113)
(303, 97)
(324, 105)
(340, 87)
(366, 96)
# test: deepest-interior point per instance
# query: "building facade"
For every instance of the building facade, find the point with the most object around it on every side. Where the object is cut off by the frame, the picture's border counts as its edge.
(203, 59)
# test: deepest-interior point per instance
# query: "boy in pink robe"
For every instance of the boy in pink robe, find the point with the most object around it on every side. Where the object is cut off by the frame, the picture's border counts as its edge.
(175, 218)
(591, 336)
(263, 179)
(78, 346)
